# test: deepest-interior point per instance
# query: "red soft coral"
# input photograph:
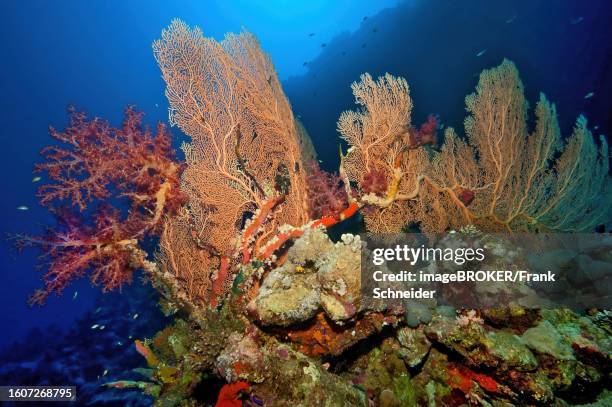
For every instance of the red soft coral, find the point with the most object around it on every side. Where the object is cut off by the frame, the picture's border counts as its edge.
(97, 162)
(326, 193)
(375, 182)
(426, 134)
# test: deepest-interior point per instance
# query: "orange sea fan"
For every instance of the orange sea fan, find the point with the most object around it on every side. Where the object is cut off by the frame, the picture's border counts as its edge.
(245, 142)
(502, 177)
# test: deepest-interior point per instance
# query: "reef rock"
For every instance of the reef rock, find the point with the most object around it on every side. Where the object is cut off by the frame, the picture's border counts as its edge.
(317, 275)
(280, 376)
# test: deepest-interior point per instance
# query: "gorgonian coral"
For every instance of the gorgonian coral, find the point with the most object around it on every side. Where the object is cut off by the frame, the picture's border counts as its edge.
(245, 175)
(245, 143)
(503, 177)
(93, 168)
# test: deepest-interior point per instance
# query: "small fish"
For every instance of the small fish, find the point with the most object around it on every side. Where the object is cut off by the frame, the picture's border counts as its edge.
(95, 326)
(22, 208)
(511, 19)
(36, 179)
(305, 63)
(321, 161)
(311, 34)
(576, 20)
(119, 343)
(157, 105)
(256, 400)
(98, 310)
(374, 30)
(299, 116)
(323, 45)
(481, 52)
(596, 127)
(589, 95)
(365, 18)
(102, 327)
(105, 372)
(75, 295)
(135, 316)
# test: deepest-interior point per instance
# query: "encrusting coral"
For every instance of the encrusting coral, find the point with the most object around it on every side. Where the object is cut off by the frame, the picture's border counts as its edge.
(317, 275)
(263, 299)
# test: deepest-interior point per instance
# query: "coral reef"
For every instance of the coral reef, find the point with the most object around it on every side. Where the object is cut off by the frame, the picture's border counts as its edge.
(264, 302)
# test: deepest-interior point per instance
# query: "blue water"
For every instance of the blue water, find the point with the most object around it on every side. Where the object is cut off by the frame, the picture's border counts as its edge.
(97, 55)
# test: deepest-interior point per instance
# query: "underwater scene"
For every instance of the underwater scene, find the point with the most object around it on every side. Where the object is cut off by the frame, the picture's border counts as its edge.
(306, 203)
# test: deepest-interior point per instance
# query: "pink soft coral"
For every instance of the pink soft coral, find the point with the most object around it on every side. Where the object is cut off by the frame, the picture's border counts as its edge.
(375, 182)
(426, 134)
(97, 162)
(326, 193)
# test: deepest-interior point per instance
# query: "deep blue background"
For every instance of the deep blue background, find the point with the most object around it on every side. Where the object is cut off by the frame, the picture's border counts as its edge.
(97, 55)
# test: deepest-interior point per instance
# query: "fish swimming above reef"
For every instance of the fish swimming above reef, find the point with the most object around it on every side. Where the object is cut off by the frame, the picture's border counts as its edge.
(589, 95)
(36, 179)
(576, 20)
(481, 52)
(511, 19)
(22, 208)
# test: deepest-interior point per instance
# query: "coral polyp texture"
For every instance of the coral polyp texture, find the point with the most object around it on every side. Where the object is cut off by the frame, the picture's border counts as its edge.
(263, 299)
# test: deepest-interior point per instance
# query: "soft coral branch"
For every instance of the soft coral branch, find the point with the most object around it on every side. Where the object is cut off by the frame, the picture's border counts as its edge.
(426, 134)
(326, 193)
(96, 162)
